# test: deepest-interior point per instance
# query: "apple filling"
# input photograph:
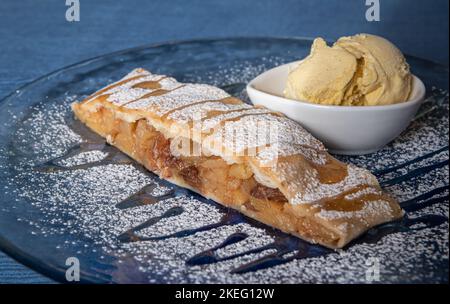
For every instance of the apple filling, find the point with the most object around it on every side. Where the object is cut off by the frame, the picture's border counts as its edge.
(209, 175)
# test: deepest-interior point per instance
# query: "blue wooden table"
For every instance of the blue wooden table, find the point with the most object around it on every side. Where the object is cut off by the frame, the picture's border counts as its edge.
(36, 38)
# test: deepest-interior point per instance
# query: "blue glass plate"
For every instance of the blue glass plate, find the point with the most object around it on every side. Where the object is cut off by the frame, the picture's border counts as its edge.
(65, 194)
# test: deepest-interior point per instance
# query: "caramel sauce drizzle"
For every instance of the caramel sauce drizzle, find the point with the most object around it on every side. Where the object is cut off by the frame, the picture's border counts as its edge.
(214, 113)
(157, 92)
(332, 172)
(149, 85)
(340, 203)
(114, 85)
(234, 119)
(226, 100)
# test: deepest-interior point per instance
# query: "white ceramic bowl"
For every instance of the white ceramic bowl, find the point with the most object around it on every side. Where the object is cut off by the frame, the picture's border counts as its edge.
(350, 130)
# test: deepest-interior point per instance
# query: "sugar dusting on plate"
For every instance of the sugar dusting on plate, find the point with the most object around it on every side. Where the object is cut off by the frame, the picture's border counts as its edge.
(82, 203)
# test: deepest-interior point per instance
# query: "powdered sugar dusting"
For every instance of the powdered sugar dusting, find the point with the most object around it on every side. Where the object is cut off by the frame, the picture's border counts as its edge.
(362, 192)
(268, 157)
(314, 190)
(83, 158)
(210, 123)
(270, 130)
(47, 140)
(183, 96)
(370, 209)
(76, 211)
(130, 94)
(198, 111)
(126, 82)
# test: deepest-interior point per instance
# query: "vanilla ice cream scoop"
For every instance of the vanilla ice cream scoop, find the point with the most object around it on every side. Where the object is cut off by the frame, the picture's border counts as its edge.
(357, 70)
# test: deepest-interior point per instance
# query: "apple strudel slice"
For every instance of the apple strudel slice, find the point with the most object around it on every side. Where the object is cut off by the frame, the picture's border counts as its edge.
(248, 158)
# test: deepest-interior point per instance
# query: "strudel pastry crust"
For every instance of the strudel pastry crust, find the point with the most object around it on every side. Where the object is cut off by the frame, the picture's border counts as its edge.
(287, 181)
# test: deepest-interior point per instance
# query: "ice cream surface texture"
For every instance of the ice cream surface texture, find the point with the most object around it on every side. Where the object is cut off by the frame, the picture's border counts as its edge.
(360, 70)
